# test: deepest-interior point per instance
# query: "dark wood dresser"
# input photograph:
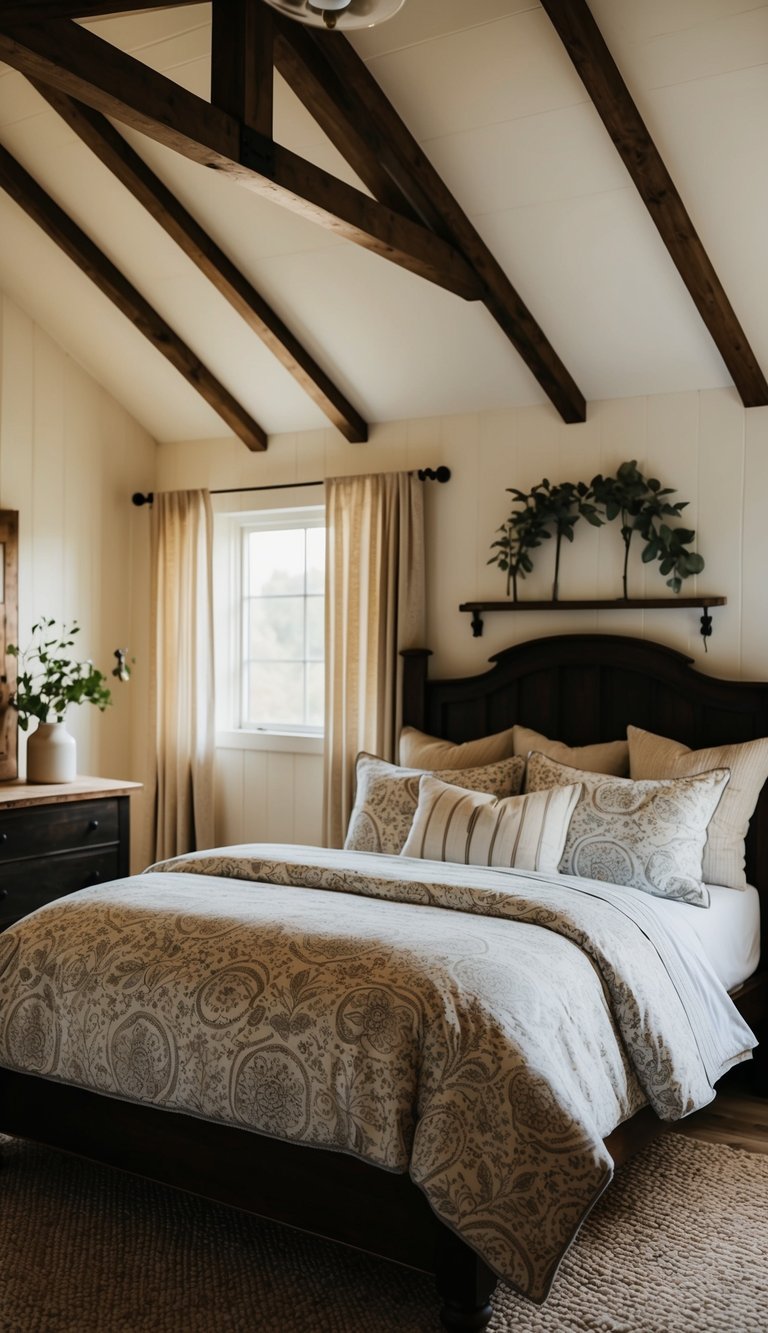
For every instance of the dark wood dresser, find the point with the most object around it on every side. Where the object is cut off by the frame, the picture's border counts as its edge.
(58, 838)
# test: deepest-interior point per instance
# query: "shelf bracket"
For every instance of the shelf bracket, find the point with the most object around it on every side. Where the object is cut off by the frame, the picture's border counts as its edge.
(477, 623)
(706, 625)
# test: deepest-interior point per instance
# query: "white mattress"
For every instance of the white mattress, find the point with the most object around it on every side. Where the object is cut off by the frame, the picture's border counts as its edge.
(728, 930)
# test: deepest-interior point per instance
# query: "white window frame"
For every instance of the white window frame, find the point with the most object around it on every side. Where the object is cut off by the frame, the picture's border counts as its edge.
(229, 529)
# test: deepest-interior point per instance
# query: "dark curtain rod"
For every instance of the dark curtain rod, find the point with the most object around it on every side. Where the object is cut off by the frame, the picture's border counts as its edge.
(441, 474)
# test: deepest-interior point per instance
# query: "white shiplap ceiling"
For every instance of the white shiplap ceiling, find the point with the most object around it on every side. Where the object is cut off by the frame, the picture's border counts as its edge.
(493, 99)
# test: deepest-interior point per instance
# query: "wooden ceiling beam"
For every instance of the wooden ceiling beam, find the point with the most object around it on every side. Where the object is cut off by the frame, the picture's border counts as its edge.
(57, 224)
(360, 120)
(131, 170)
(77, 62)
(242, 72)
(303, 65)
(19, 11)
(600, 75)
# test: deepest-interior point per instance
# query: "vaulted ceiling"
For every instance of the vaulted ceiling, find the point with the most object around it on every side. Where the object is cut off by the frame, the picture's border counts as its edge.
(551, 214)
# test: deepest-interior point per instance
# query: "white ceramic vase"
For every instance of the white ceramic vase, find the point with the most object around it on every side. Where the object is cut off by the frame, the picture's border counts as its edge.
(51, 754)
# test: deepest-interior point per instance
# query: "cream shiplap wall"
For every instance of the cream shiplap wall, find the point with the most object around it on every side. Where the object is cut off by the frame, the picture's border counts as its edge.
(70, 458)
(704, 444)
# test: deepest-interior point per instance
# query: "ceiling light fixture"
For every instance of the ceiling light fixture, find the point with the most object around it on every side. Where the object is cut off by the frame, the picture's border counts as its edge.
(338, 13)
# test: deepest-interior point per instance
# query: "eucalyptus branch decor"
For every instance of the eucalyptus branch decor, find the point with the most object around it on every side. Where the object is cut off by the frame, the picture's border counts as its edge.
(546, 506)
(640, 503)
(523, 531)
(562, 506)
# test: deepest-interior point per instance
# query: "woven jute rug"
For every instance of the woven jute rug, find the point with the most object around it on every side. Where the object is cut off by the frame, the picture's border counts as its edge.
(679, 1244)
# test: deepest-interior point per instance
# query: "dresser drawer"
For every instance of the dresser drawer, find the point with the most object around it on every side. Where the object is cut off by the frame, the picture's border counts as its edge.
(35, 830)
(28, 884)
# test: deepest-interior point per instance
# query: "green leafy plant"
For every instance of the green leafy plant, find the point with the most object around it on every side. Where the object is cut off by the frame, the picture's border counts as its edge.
(557, 507)
(562, 505)
(49, 680)
(523, 531)
(642, 505)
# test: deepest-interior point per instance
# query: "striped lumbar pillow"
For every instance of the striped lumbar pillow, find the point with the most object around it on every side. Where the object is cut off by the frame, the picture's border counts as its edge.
(472, 828)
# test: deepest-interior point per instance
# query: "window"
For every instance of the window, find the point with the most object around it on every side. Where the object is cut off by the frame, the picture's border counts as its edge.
(273, 621)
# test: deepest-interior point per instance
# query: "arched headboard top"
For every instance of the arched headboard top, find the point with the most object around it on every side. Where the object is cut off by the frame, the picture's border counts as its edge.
(584, 688)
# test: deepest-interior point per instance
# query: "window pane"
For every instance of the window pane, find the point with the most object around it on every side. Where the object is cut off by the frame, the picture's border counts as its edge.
(276, 562)
(315, 629)
(275, 693)
(316, 560)
(275, 628)
(315, 693)
(283, 625)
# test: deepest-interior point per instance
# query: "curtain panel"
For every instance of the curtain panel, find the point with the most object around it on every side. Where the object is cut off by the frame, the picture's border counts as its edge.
(374, 608)
(182, 671)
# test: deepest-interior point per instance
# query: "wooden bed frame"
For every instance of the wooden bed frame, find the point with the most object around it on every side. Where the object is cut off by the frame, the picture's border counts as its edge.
(576, 688)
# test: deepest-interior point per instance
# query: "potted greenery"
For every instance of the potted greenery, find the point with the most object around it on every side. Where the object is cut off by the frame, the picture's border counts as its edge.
(48, 681)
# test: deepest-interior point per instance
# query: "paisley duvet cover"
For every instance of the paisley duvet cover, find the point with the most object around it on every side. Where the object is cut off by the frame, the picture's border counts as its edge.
(483, 1030)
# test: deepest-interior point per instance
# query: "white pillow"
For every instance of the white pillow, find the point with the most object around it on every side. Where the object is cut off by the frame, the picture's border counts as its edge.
(653, 756)
(647, 834)
(605, 757)
(472, 828)
(418, 750)
(387, 796)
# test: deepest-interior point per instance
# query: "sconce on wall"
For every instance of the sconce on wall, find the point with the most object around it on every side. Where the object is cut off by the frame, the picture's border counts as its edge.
(338, 13)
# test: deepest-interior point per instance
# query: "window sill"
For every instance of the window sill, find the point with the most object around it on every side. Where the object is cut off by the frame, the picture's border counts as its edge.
(281, 742)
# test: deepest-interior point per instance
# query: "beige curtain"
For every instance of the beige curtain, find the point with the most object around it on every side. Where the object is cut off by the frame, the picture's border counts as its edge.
(182, 671)
(374, 607)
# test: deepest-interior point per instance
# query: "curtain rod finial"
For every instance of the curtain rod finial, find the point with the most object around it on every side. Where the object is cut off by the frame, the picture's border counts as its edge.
(138, 498)
(441, 474)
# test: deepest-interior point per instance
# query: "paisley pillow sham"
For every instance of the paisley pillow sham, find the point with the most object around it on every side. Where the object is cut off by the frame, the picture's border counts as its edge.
(387, 796)
(647, 834)
(653, 756)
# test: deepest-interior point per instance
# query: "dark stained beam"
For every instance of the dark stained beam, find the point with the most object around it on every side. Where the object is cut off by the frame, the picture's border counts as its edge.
(21, 187)
(242, 72)
(328, 75)
(121, 159)
(304, 65)
(22, 11)
(70, 58)
(600, 75)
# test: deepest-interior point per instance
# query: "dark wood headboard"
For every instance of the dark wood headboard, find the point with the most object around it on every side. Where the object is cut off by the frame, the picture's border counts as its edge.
(582, 688)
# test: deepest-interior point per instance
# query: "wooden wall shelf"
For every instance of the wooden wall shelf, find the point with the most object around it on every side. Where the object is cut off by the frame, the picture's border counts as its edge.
(598, 604)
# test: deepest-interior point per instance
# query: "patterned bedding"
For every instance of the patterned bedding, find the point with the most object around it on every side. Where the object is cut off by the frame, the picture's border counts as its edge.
(483, 1030)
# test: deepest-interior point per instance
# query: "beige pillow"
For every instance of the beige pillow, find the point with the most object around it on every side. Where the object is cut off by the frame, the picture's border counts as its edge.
(647, 834)
(472, 828)
(607, 757)
(653, 756)
(387, 796)
(418, 750)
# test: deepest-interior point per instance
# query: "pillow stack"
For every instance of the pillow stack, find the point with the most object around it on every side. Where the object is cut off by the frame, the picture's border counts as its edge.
(674, 825)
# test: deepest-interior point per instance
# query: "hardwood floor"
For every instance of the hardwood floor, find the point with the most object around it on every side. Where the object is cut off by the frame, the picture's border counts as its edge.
(735, 1117)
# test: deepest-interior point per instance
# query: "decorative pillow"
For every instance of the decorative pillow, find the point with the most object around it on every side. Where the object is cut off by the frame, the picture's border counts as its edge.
(607, 757)
(474, 829)
(387, 796)
(647, 834)
(418, 750)
(657, 757)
